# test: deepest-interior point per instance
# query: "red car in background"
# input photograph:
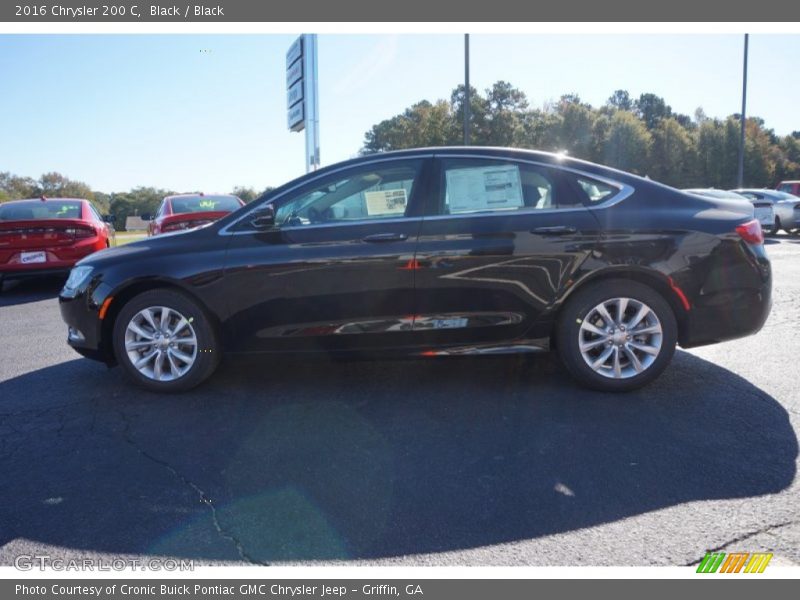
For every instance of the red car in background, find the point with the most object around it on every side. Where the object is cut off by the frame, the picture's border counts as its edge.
(790, 187)
(49, 235)
(187, 211)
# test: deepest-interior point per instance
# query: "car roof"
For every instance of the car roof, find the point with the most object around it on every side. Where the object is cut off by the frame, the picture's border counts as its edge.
(549, 158)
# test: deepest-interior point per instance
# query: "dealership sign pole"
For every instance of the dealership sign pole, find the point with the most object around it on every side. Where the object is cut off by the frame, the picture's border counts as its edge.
(302, 98)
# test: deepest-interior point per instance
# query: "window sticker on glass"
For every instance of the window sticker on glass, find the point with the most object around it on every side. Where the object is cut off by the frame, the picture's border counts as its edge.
(386, 202)
(484, 188)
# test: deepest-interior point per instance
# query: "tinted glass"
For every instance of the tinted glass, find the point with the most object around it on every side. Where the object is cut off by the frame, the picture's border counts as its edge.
(479, 185)
(38, 209)
(192, 204)
(595, 191)
(375, 192)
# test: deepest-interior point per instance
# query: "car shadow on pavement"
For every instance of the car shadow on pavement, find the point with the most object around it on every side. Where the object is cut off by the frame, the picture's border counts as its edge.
(24, 291)
(317, 459)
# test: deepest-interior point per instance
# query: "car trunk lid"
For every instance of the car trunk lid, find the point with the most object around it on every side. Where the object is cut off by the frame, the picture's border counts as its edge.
(42, 233)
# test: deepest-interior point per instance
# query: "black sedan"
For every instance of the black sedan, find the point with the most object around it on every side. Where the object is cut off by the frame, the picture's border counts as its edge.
(430, 252)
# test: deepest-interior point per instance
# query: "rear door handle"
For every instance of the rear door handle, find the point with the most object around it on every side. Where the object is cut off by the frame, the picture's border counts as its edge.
(386, 237)
(557, 230)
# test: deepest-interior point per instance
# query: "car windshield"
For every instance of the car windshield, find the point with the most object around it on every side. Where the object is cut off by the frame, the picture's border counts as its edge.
(40, 209)
(192, 204)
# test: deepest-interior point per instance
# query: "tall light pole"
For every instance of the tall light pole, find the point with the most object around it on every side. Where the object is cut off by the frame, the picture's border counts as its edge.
(466, 90)
(740, 173)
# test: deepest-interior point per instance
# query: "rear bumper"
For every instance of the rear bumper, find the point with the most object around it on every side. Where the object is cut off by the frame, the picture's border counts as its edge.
(727, 317)
(59, 259)
(735, 301)
(7, 274)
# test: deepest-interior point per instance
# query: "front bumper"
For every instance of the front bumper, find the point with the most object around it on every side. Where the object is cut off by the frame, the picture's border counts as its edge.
(80, 311)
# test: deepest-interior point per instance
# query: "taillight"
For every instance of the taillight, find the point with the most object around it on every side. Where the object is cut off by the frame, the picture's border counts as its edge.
(751, 232)
(175, 226)
(81, 232)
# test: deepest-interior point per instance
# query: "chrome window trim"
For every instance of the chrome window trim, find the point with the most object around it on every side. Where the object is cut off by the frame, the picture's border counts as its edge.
(225, 230)
(624, 191)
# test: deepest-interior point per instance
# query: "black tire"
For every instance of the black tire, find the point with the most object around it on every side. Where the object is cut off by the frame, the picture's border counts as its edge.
(207, 354)
(776, 227)
(578, 308)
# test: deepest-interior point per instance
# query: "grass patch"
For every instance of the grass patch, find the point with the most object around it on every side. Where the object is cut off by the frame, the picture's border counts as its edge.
(126, 237)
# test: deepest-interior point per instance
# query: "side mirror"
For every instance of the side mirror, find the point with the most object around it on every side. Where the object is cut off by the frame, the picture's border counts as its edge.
(109, 218)
(263, 217)
(146, 217)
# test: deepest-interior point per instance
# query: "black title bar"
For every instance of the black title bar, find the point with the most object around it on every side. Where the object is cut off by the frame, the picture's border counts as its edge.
(406, 10)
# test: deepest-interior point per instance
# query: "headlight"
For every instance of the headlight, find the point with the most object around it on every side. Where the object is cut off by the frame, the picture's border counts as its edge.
(77, 276)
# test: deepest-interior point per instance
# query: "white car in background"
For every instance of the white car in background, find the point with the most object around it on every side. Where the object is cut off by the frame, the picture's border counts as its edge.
(785, 206)
(762, 209)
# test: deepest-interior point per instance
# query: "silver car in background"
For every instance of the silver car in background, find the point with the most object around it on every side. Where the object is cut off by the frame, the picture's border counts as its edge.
(762, 209)
(785, 206)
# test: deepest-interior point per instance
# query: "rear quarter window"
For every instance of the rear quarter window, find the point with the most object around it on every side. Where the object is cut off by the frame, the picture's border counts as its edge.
(594, 191)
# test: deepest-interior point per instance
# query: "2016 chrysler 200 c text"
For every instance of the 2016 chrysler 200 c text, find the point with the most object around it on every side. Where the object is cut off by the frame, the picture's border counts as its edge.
(434, 251)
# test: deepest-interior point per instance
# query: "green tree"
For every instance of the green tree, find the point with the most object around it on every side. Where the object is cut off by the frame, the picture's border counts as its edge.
(247, 194)
(710, 167)
(14, 187)
(621, 100)
(673, 154)
(576, 127)
(651, 109)
(56, 185)
(628, 143)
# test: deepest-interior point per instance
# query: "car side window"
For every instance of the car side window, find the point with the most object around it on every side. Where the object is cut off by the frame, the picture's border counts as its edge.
(481, 185)
(595, 191)
(377, 191)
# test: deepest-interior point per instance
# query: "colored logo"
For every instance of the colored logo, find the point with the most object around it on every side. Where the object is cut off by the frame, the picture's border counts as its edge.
(734, 562)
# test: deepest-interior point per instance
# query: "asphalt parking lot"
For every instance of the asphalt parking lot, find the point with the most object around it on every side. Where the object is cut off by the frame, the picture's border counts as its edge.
(446, 461)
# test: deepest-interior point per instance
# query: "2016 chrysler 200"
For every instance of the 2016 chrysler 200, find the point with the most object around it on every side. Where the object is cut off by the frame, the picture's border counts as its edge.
(428, 252)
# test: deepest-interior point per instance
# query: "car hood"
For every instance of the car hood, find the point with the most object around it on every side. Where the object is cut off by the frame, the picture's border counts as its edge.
(161, 244)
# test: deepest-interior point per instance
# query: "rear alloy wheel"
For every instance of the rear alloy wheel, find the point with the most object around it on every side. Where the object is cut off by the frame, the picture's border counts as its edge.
(165, 342)
(617, 335)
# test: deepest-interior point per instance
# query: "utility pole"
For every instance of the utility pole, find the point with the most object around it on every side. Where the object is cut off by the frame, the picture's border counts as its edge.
(466, 90)
(740, 173)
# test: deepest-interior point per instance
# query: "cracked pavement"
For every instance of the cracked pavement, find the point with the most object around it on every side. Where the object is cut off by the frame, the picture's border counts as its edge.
(449, 461)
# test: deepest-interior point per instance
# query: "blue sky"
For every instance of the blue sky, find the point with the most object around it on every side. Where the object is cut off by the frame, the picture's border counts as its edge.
(208, 112)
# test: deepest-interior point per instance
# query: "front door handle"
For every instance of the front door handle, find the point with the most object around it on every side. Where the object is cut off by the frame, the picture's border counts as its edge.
(386, 237)
(557, 230)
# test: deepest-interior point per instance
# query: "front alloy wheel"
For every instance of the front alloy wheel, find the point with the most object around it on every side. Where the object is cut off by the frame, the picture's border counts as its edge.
(165, 341)
(161, 343)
